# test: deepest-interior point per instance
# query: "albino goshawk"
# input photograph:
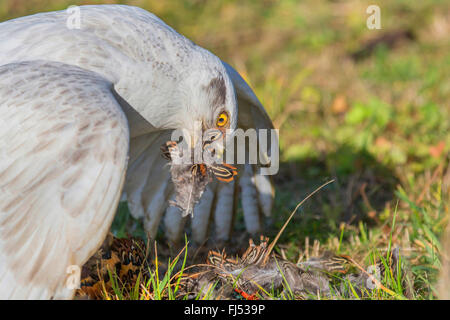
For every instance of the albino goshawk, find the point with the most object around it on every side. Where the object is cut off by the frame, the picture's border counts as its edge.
(83, 113)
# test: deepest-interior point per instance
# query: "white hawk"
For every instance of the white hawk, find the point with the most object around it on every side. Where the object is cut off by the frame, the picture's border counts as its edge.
(83, 113)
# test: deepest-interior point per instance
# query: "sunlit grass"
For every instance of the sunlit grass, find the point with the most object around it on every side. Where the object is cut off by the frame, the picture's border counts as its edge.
(379, 126)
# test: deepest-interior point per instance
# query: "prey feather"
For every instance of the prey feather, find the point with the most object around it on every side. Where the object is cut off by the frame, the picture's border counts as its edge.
(190, 180)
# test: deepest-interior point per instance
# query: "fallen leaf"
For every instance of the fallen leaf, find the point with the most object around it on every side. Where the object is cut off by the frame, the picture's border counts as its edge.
(339, 104)
(436, 151)
(382, 142)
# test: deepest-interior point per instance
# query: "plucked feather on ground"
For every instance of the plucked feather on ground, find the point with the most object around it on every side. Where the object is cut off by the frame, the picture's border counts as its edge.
(126, 260)
(257, 273)
(124, 263)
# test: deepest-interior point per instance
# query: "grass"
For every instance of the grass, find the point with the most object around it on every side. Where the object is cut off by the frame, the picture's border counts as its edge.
(379, 125)
(413, 227)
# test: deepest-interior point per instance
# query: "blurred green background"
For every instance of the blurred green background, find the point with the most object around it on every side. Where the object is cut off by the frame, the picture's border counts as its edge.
(370, 108)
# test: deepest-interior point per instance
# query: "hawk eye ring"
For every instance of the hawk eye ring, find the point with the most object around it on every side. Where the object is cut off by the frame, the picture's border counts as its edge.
(222, 119)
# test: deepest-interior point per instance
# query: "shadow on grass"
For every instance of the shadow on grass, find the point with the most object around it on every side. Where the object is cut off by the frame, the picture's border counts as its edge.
(362, 188)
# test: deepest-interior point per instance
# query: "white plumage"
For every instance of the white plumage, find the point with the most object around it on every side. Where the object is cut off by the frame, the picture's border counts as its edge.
(83, 113)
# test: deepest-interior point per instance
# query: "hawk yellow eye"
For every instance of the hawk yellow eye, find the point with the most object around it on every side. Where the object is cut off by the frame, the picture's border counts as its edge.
(222, 119)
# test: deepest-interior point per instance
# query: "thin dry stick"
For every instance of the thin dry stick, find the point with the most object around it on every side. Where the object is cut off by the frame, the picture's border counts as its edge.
(316, 248)
(199, 265)
(300, 257)
(378, 283)
(200, 247)
(283, 254)
(149, 295)
(269, 250)
(429, 183)
(178, 255)
(362, 191)
(306, 250)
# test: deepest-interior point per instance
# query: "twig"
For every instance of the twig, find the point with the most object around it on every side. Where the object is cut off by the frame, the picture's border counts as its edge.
(429, 183)
(269, 250)
(378, 283)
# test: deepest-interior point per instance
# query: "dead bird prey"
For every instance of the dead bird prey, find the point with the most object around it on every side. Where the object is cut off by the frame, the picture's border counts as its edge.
(190, 180)
(249, 276)
(259, 271)
(125, 259)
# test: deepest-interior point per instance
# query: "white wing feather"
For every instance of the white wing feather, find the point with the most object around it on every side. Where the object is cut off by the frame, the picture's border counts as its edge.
(64, 143)
(144, 59)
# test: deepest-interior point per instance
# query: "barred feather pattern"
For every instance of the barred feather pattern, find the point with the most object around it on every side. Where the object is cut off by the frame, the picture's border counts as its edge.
(224, 277)
(251, 276)
(125, 259)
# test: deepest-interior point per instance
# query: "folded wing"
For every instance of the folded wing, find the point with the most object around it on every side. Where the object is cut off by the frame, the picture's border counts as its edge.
(63, 157)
